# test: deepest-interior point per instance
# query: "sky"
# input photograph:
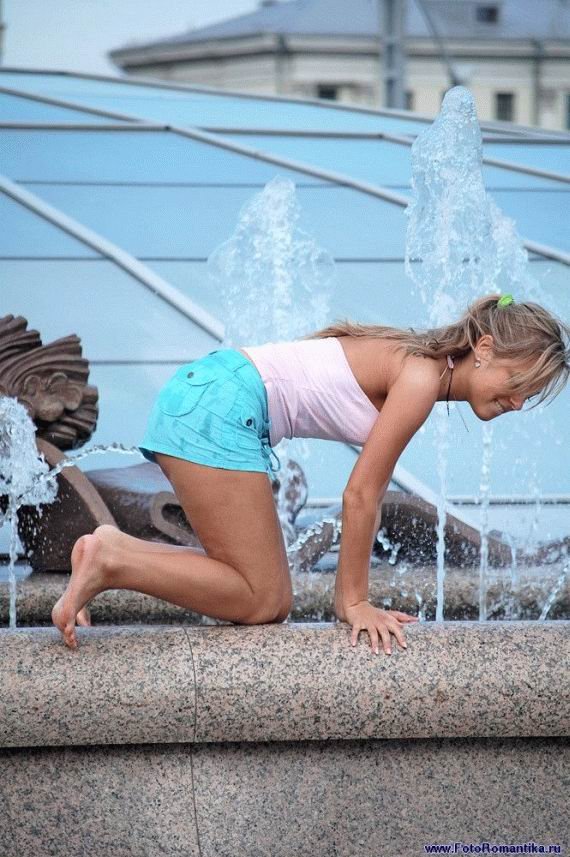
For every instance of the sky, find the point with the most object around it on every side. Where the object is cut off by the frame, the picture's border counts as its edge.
(76, 34)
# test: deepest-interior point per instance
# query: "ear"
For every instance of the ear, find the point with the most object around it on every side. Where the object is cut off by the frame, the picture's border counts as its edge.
(484, 346)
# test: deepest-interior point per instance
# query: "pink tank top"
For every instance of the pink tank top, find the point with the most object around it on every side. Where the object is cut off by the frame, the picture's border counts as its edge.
(312, 391)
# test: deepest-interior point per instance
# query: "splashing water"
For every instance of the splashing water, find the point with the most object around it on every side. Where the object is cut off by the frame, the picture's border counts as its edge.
(384, 541)
(442, 447)
(555, 590)
(275, 284)
(25, 476)
(464, 244)
(459, 246)
(484, 491)
(276, 281)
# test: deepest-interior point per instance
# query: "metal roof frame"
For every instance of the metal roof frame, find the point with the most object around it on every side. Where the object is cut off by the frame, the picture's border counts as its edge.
(78, 126)
(120, 257)
(55, 102)
(207, 90)
(491, 125)
(135, 122)
(341, 179)
(390, 138)
(401, 477)
(127, 125)
(365, 135)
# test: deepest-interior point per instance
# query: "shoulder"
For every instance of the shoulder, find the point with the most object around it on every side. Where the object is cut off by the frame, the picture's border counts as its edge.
(417, 373)
(411, 396)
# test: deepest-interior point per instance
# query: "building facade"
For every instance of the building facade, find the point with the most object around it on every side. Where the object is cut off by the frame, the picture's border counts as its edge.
(514, 55)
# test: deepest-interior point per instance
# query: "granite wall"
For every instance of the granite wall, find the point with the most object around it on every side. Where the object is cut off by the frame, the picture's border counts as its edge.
(283, 740)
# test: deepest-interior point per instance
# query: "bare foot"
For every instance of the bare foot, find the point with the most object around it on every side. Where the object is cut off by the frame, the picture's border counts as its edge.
(90, 561)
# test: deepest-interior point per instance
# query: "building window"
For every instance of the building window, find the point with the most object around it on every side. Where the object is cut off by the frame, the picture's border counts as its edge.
(487, 14)
(505, 106)
(409, 99)
(324, 90)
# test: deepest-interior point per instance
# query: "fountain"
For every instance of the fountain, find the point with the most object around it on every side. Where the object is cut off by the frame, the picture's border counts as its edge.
(160, 736)
(460, 246)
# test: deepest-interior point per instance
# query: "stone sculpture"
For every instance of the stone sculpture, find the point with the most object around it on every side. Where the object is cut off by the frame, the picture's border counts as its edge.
(50, 381)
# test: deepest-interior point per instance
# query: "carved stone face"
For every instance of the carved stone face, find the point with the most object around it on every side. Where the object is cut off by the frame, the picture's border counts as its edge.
(50, 381)
(47, 397)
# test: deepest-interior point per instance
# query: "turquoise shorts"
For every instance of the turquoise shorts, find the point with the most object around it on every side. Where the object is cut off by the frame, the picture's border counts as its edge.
(213, 411)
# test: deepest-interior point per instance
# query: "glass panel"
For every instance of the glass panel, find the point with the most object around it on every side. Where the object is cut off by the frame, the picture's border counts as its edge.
(539, 215)
(116, 316)
(183, 222)
(128, 156)
(544, 156)
(28, 234)
(377, 161)
(365, 291)
(554, 278)
(370, 292)
(496, 177)
(193, 280)
(204, 109)
(14, 109)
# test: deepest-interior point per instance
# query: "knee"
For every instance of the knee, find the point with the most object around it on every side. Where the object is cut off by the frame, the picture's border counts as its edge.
(284, 609)
(270, 610)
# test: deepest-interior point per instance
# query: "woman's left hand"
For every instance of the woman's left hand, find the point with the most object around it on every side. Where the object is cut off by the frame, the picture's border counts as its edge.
(379, 623)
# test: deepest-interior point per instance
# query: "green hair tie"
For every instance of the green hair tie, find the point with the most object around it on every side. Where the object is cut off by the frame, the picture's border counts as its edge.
(505, 300)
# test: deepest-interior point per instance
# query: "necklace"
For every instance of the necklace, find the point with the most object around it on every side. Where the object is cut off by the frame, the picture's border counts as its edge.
(451, 366)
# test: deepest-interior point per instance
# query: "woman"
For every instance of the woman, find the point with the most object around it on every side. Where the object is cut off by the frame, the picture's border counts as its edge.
(213, 425)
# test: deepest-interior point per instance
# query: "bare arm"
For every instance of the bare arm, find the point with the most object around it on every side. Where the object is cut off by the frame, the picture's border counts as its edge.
(360, 523)
(407, 406)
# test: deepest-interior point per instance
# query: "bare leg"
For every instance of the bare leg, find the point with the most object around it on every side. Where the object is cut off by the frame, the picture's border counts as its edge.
(110, 559)
(84, 618)
(241, 575)
(143, 544)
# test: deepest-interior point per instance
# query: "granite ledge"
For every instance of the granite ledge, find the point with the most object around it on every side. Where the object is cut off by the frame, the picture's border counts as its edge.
(282, 682)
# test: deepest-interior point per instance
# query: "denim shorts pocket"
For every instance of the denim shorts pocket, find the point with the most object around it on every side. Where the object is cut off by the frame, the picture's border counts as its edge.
(247, 426)
(182, 393)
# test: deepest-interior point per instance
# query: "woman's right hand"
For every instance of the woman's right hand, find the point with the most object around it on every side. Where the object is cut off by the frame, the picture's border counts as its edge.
(363, 616)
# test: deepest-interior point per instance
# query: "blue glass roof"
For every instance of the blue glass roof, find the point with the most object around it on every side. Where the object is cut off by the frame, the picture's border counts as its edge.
(198, 108)
(127, 158)
(140, 182)
(15, 108)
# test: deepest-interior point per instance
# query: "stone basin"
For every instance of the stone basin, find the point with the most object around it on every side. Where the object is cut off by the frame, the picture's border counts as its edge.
(406, 587)
(282, 740)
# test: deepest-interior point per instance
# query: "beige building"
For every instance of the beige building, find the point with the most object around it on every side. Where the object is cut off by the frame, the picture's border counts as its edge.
(514, 55)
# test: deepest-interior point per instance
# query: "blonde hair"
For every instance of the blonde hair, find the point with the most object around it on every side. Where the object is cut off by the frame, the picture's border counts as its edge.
(520, 331)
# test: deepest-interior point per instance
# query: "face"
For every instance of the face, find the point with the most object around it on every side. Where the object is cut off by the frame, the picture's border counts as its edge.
(491, 392)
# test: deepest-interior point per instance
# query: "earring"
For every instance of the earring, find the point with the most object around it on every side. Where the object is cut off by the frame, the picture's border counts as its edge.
(477, 363)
